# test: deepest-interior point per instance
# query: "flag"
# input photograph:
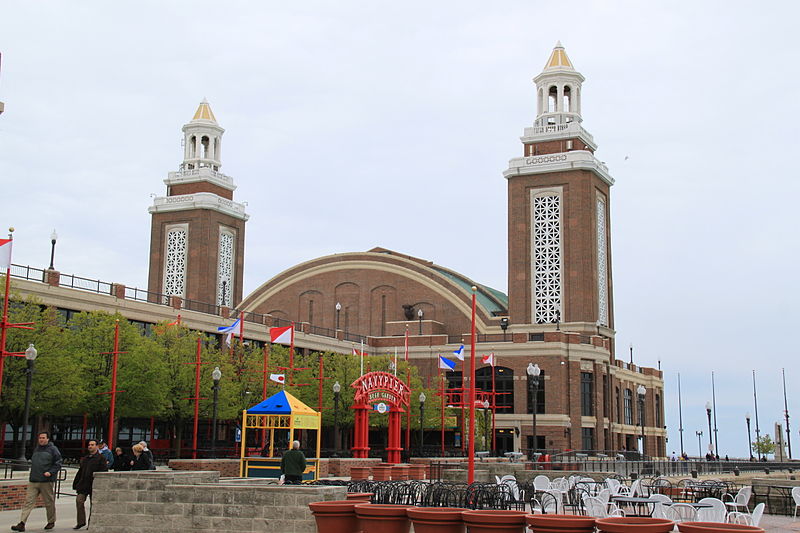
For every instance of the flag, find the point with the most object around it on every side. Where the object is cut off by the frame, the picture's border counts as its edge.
(281, 335)
(488, 359)
(459, 353)
(233, 329)
(446, 364)
(5, 253)
(356, 352)
(278, 378)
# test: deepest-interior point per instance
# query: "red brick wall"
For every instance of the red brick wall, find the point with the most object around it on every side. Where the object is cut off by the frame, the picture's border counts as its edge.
(225, 467)
(12, 495)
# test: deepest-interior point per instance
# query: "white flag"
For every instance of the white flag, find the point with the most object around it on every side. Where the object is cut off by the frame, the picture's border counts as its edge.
(5, 253)
(278, 378)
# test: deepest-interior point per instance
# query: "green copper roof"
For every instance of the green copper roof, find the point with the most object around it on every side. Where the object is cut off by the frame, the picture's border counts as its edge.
(494, 301)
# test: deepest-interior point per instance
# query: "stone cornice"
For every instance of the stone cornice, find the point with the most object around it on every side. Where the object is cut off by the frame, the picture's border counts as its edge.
(549, 163)
(200, 200)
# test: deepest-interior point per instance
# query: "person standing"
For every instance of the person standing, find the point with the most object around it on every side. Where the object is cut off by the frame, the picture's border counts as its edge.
(82, 484)
(45, 464)
(293, 464)
(103, 448)
(121, 461)
(141, 461)
(149, 453)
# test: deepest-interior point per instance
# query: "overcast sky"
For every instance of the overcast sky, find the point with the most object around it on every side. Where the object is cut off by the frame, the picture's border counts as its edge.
(358, 124)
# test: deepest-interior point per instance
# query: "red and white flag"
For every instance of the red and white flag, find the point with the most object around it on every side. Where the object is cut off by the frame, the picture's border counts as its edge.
(488, 359)
(278, 378)
(281, 335)
(5, 253)
(360, 353)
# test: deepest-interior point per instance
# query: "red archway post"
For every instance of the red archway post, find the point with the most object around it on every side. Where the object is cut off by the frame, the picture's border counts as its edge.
(196, 397)
(379, 387)
(394, 448)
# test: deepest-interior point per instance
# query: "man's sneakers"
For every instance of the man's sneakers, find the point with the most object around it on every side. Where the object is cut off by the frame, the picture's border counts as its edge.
(18, 527)
(78, 526)
(50, 525)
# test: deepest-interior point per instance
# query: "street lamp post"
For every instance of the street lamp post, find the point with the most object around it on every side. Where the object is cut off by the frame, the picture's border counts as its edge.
(504, 326)
(419, 315)
(642, 391)
(216, 375)
(338, 310)
(422, 399)
(336, 390)
(699, 445)
(534, 372)
(710, 435)
(749, 437)
(487, 443)
(53, 238)
(30, 356)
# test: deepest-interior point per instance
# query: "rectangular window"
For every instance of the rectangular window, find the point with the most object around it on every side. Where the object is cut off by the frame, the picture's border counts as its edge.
(540, 396)
(628, 407)
(619, 413)
(587, 394)
(605, 395)
(658, 410)
(587, 438)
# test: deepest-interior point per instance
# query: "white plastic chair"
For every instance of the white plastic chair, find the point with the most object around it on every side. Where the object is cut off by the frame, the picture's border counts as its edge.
(548, 502)
(541, 482)
(604, 495)
(796, 498)
(560, 483)
(717, 513)
(659, 509)
(681, 512)
(596, 508)
(741, 499)
(736, 517)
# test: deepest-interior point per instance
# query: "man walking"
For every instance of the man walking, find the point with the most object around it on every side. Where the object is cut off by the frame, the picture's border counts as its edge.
(293, 464)
(45, 464)
(82, 484)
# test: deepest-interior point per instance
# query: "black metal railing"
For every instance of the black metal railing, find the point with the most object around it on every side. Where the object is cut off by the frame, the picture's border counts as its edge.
(141, 295)
(85, 284)
(200, 307)
(27, 272)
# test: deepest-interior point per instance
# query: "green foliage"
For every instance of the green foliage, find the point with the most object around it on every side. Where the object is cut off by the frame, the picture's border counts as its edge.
(763, 445)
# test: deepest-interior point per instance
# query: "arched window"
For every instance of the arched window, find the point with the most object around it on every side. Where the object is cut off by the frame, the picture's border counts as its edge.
(205, 144)
(503, 386)
(567, 99)
(552, 99)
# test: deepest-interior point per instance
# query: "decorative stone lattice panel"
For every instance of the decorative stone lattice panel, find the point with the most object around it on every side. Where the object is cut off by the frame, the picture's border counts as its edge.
(547, 258)
(225, 268)
(175, 267)
(602, 264)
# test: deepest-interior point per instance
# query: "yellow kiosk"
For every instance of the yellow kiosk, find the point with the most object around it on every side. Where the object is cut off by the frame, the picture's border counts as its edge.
(281, 412)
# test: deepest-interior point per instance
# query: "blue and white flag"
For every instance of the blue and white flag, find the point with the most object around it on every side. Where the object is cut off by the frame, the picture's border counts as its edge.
(231, 330)
(446, 364)
(459, 353)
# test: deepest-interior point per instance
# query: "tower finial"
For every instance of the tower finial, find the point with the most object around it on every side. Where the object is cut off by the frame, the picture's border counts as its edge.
(204, 112)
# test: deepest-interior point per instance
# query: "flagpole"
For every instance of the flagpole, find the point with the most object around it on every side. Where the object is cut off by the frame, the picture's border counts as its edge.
(494, 402)
(362, 357)
(680, 413)
(471, 449)
(395, 361)
(264, 390)
(441, 394)
(291, 357)
(196, 396)
(408, 411)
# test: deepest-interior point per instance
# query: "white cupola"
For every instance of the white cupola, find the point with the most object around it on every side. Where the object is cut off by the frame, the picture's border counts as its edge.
(202, 140)
(558, 91)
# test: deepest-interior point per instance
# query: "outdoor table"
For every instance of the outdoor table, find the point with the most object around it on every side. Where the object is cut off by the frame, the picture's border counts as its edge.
(642, 506)
(696, 505)
(785, 499)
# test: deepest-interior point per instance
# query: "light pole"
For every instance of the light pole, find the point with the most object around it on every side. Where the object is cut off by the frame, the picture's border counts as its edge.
(422, 399)
(504, 326)
(699, 445)
(710, 435)
(419, 315)
(642, 391)
(336, 390)
(534, 372)
(755, 405)
(487, 443)
(216, 375)
(338, 310)
(30, 356)
(53, 238)
(749, 437)
(631, 347)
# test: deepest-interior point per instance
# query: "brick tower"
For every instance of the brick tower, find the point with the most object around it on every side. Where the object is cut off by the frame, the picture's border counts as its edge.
(197, 235)
(559, 253)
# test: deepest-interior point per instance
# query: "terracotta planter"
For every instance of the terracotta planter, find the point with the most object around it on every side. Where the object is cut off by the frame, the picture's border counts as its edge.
(379, 518)
(381, 473)
(436, 519)
(494, 521)
(711, 527)
(560, 523)
(634, 524)
(360, 496)
(336, 516)
(359, 472)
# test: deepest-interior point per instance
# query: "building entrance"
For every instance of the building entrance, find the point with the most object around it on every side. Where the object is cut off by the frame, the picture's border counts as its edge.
(504, 441)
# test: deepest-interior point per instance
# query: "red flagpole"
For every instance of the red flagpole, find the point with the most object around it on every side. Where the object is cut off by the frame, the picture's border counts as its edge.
(441, 393)
(408, 411)
(471, 458)
(4, 325)
(291, 357)
(494, 401)
(110, 438)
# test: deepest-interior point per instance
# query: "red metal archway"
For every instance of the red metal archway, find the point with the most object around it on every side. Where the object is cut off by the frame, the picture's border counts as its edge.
(373, 389)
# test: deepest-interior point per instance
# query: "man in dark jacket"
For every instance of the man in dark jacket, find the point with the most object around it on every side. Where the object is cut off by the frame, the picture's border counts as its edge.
(45, 464)
(82, 484)
(293, 464)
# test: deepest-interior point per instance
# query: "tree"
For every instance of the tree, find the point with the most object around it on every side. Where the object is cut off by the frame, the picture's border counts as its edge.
(763, 445)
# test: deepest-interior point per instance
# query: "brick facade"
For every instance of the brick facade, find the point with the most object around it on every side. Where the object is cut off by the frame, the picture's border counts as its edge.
(12, 495)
